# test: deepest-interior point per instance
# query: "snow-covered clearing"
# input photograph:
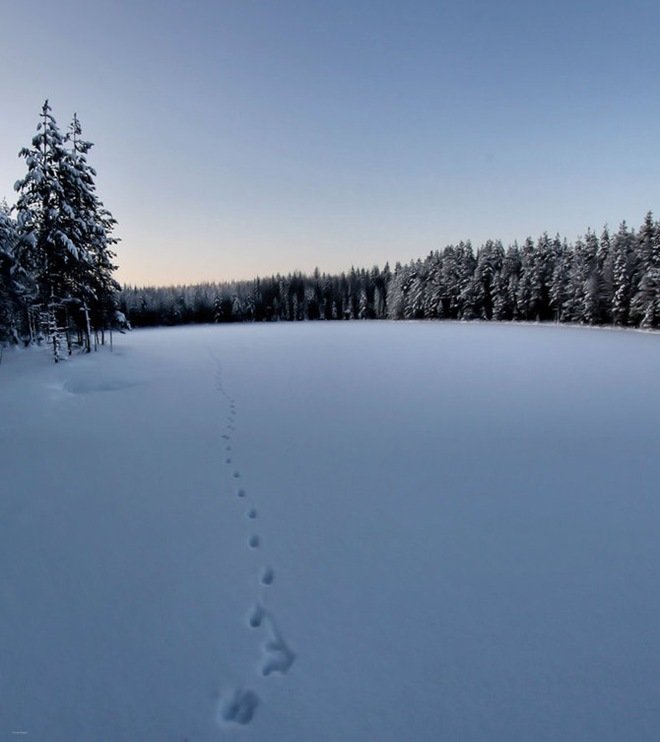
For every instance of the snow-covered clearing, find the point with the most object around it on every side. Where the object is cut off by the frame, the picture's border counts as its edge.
(333, 531)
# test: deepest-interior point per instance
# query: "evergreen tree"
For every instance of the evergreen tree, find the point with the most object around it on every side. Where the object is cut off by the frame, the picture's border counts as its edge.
(559, 278)
(489, 265)
(506, 285)
(45, 217)
(16, 287)
(45, 220)
(93, 227)
(645, 304)
(623, 261)
(528, 290)
(66, 232)
(604, 259)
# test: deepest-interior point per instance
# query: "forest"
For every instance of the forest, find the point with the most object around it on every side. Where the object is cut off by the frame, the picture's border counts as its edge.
(611, 279)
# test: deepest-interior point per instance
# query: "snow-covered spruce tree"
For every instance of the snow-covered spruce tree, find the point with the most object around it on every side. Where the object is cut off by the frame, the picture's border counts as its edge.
(582, 299)
(623, 265)
(559, 278)
(416, 293)
(396, 294)
(456, 275)
(528, 292)
(93, 227)
(16, 287)
(592, 280)
(501, 297)
(645, 304)
(465, 265)
(489, 264)
(506, 285)
(544, 264)
(435, 289)
(604, 260)
(66, 230)
(45, 225)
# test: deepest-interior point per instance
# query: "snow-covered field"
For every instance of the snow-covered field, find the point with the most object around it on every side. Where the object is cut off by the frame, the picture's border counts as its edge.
(333, 531)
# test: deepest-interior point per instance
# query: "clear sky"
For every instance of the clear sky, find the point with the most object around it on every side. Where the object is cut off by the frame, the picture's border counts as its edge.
(244, 137)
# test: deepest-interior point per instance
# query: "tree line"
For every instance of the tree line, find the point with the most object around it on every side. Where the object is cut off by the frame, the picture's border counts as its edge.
(56, 247)
(294, 297)
(611, 279)
(57, 265)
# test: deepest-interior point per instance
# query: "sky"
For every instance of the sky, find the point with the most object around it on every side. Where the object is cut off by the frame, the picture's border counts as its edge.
(236, 138)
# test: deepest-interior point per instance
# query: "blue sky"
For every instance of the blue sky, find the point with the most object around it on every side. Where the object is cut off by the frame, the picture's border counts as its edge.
(244, 137)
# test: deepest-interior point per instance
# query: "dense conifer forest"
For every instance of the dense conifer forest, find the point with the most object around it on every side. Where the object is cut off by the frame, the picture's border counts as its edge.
(611, 279)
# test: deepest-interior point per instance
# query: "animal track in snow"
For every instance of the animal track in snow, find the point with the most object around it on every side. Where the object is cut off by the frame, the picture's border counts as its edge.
(256, 617)
(277, 654)
(267, 576)
(240, 707)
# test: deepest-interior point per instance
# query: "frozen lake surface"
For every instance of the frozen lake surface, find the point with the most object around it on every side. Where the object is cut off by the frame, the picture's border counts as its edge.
(333, 531)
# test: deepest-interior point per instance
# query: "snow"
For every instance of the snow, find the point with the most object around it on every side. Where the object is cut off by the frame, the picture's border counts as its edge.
(333, 531)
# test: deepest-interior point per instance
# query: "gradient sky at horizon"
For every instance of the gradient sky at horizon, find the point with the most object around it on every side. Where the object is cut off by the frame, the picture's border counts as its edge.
(244, 137)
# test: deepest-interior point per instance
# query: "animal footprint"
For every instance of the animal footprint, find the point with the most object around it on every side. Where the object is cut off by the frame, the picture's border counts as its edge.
(240, 707)
(237, 474)
(278, 655)
(252, 513)
(253, 541)
(267, 576)
(256, 617)
(241, 492)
